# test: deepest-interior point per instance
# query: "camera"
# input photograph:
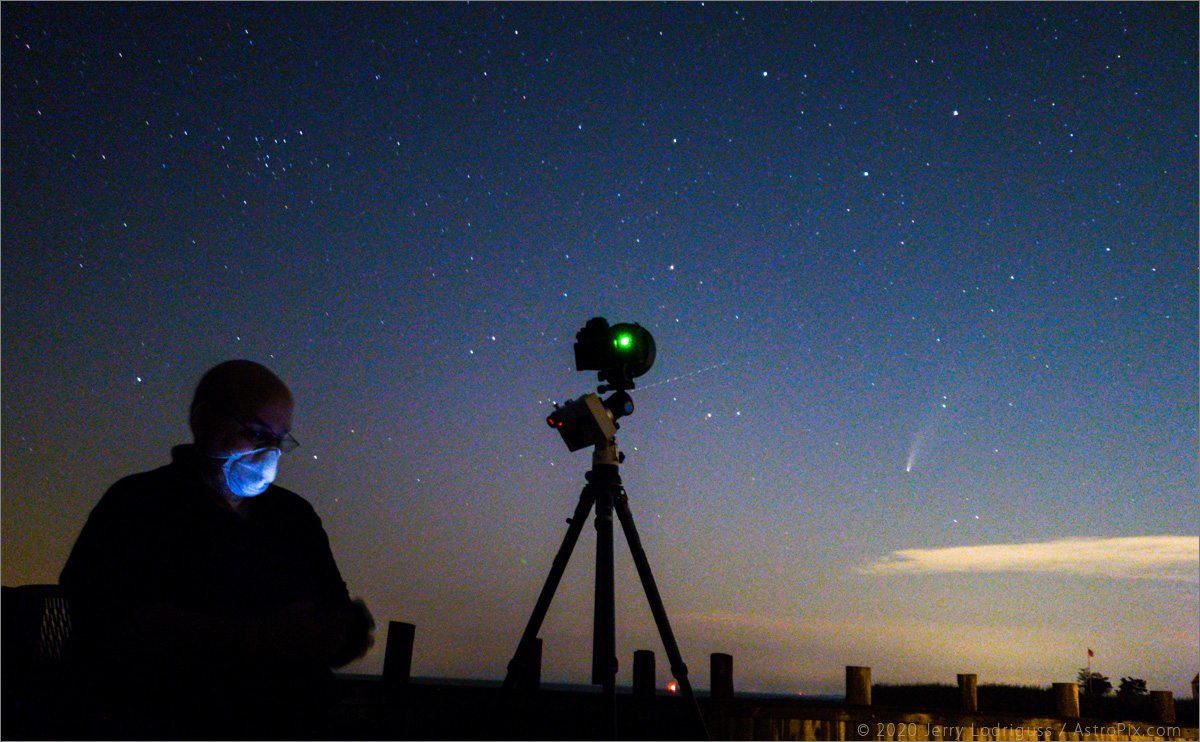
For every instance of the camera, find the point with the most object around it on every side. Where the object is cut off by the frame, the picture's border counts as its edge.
(620, 352)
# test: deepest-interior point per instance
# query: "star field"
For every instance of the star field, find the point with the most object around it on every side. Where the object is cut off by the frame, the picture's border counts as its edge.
(921, 277)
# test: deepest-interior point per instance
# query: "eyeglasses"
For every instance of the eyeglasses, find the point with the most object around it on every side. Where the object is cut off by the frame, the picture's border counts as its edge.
(265, 438)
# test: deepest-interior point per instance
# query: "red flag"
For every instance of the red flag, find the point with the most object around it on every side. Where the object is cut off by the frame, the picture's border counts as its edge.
(1091, 653)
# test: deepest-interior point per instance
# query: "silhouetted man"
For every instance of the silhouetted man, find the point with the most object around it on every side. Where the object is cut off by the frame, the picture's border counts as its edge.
(206, 599)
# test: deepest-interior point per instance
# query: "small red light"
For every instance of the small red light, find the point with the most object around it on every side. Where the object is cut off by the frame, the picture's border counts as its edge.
(673, 687)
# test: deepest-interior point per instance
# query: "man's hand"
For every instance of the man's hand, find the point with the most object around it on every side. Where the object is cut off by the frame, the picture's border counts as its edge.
(303, 633)
(331, 637)
(359, 633)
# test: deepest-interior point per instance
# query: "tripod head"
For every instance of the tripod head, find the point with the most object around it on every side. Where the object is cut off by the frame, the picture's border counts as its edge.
(619, 354)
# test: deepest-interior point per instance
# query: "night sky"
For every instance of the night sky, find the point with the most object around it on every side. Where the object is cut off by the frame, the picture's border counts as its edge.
(923, 280)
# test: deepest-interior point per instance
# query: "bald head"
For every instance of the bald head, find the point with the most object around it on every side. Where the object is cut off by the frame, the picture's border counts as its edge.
(232, 395)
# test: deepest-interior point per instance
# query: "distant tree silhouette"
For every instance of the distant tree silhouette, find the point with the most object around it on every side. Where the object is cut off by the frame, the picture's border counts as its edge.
(1132, 688)
(1091, 682)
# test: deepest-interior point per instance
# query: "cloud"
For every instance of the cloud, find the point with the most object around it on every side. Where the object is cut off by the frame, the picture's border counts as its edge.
(1173, 558)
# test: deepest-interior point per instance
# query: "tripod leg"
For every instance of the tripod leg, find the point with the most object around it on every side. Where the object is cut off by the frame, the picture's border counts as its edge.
(520, 660)
(604, 632)
(678, 668)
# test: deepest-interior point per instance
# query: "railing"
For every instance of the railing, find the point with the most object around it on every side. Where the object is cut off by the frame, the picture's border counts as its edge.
(731, 716)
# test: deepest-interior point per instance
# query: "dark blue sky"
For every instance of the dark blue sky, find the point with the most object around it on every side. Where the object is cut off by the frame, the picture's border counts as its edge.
(921, 277)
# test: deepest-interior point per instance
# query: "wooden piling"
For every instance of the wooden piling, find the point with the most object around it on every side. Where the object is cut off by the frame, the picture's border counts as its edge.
(968, 693)
(643, 673)
(721, 671)
(1163, 703)
(529, 677)
(858, 686)
(397, 655)
(1066, 700)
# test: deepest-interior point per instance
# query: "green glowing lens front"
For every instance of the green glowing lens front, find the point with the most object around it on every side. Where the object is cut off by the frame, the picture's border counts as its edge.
(624, 341)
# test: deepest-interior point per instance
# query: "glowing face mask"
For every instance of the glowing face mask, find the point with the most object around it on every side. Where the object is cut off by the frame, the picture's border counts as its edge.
(250, 473)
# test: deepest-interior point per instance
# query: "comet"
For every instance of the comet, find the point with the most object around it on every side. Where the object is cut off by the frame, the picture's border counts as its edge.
(913, 451)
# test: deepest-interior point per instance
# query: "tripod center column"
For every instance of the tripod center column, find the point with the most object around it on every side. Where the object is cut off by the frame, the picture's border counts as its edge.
(604, 649)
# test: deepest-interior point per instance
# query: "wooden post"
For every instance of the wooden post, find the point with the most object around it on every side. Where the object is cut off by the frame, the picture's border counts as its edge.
(721, 671)
(858, 686)
(643, 673)
(1066, 700)
(397, 655)
(1163, 703)
(530, 679)
(968, 693)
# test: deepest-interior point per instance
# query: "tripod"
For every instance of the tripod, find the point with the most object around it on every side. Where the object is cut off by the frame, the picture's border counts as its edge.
(604, 491)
